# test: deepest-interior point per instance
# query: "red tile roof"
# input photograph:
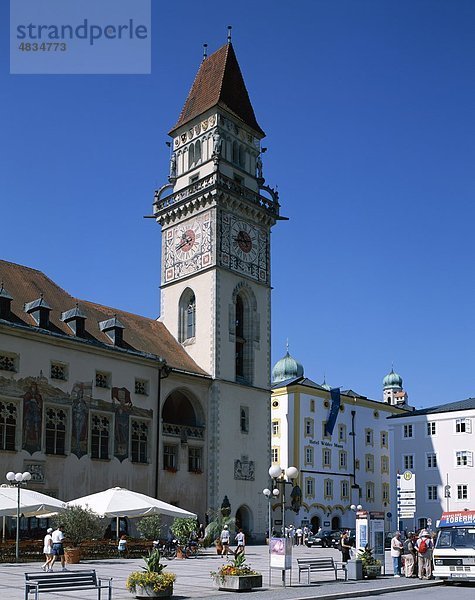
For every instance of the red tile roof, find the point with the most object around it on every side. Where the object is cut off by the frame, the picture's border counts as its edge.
(140, 334)
(219, 82)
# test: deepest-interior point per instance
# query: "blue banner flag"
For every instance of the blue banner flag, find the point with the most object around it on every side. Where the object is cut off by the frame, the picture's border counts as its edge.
(334, 410)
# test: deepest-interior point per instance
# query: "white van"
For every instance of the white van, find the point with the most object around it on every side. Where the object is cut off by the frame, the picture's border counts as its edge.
(454, 551)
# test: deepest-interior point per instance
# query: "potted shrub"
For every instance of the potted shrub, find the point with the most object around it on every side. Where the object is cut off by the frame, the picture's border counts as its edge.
(151, 582)
(371, 566)
(182, 529)
(80, 524)
(214, 528)
(150, 527)
(236, 576)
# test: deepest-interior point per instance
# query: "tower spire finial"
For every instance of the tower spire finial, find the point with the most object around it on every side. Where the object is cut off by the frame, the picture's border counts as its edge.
(287, 345)
(229, 33)
(205, 52)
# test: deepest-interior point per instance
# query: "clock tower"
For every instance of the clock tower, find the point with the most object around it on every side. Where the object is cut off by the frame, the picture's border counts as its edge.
(216, 214)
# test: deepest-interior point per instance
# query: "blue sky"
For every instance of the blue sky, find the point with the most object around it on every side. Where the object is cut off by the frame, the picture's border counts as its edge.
(369, 110)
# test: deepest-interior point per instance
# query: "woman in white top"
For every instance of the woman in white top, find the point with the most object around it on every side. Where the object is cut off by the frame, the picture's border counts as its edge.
(48, 549)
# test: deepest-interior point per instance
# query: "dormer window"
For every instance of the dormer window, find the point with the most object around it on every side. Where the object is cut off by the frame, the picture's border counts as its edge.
(113, 328)
(39, 309)
(75, 319)
(5, 303)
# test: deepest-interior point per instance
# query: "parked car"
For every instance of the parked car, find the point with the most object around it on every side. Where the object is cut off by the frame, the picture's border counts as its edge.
(336, 535)
(322, 538)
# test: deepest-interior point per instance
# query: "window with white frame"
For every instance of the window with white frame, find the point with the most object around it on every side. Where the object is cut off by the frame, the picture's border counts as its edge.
(431, 493)
(342, 459)
(275, 427)
(275, 455)
(369, 462)
(344, 490)
(368, 434)
(384, 439)
(384, 464)
(55, 431)
(59, 371)
(464, 458)
(100, 436)
(431, 460)
(385, 492)
(328, 489)
(431, 429)
(103, 379)
(310, 486)
(308, 455)
(463, 426)
(369, 491)
(462, 491)
(139, 442)
(308, 427)
(408, 462)
(324, 431)
(327, 457)
(407, 431)
(342, 433)
(9, 362)
(141, 387)
(8, 425)
(312, 405)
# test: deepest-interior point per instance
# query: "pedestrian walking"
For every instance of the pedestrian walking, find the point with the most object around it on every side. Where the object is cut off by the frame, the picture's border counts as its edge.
(122, 546)
(58, 550)
(225, 537)
(298, 535)
(48, 549)
(424, 547)
(241, 543)
(396, 551)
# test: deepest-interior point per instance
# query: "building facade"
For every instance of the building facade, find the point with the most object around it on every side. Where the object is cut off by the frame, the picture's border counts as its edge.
(348, 464)
(92, 397)
(438, 445)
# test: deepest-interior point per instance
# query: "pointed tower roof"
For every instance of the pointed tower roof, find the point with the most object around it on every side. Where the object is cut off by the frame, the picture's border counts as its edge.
(219, 82)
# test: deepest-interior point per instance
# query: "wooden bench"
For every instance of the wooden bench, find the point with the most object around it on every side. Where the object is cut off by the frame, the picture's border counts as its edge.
(66, 581)
(325, 563)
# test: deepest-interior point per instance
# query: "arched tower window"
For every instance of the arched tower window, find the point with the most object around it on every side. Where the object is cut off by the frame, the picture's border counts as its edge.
(242, 157)
(187, 316)
(191, 156)
(235, 152)
(240, 340)
(197, 151)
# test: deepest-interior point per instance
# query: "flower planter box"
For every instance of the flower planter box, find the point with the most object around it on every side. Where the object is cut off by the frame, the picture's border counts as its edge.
(148, 592)
(238, 583)
(72, 555)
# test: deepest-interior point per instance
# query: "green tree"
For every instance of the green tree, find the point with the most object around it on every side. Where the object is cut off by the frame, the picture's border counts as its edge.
(80, 524)
(182, 528)
(150, 527)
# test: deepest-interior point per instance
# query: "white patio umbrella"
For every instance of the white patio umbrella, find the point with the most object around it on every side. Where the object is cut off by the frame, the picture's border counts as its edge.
(120, 502)
(32, 503)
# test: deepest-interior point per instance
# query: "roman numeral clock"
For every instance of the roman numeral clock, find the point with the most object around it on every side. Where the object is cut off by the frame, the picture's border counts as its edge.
(244, 247)
(187, 247)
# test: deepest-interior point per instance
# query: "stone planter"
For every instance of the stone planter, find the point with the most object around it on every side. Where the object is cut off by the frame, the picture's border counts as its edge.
(148, 592)
(72, 555)
(238, 583)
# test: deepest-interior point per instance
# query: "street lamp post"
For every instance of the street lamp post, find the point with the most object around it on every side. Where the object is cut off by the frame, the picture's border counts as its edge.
(18, 479)
(282, 477)
(269, 495)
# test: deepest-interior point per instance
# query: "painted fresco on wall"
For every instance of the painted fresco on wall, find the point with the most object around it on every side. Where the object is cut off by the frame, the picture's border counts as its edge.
(34, 394)
(123, 406)
(81, 396)
(32, 418)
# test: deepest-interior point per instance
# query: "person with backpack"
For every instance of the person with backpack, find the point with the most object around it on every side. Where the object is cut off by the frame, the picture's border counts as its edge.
(424, 546)
(409, 555)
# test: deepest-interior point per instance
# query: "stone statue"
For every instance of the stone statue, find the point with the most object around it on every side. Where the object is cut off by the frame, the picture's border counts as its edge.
(173, 165)
(217, 142)
(259, 167)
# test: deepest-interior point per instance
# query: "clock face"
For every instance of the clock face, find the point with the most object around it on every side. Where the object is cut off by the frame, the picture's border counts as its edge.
(187, 240)
(244, 239)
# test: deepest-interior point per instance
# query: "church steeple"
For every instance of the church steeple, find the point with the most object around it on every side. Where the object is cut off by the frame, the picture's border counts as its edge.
(219, 82)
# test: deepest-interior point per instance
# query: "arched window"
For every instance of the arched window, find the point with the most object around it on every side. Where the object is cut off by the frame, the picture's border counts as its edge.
(191, 156)
(187, 316)
(235, 152)
(242, 157)
(240, 341)
(197, 152)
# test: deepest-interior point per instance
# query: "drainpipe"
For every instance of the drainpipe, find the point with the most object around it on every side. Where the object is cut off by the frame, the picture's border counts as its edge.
(163, 372)
(355, 486)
